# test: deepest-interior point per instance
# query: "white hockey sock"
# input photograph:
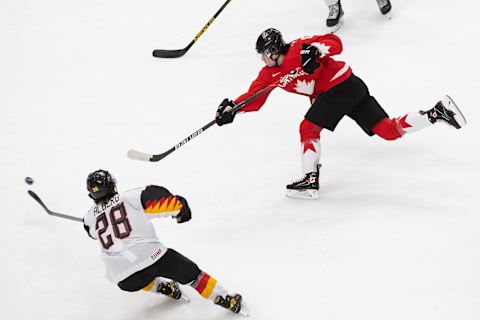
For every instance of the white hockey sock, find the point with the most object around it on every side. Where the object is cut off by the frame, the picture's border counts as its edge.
(414, 121)
(310, 155)
(208, 287)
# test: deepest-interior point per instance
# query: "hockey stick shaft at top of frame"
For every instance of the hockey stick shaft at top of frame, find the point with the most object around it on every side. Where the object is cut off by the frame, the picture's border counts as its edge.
(162, 53)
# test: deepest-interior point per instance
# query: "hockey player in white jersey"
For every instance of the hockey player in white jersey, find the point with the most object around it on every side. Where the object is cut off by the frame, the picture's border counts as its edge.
(134, 257)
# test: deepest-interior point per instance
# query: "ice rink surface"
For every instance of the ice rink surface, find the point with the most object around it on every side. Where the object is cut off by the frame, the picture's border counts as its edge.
(394, 235)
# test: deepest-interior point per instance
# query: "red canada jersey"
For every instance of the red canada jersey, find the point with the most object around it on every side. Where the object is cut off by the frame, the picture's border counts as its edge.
(292, 78)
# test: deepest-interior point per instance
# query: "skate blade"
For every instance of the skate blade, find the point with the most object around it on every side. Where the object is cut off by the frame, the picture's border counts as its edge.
(337, 27)
(388, 15)
(244, 310)
(244, 313)
(459, 117)
(184, 298)
(304, 194)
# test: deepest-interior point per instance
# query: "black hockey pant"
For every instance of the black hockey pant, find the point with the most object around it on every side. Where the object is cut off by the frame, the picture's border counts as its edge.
(172, 265)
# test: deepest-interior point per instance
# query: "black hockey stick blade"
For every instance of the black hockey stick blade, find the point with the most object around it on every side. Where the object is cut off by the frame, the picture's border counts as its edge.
(160, 53)
(56, 214)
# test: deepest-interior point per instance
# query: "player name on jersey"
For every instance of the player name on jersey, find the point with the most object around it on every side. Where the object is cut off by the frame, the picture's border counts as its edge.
(106, 205)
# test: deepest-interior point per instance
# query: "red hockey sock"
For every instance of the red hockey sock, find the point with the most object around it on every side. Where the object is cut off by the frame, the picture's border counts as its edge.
(310, 138)
(390, 129)
(309, 131)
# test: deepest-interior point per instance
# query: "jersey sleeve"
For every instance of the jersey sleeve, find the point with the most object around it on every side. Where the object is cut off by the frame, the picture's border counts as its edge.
(328, 45)
(258, 84)
(159, 202)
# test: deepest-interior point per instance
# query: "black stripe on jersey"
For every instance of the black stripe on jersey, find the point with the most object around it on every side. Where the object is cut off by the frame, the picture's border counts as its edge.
(152, 193)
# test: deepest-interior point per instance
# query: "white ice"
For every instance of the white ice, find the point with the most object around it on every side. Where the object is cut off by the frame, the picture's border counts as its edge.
(395, 234)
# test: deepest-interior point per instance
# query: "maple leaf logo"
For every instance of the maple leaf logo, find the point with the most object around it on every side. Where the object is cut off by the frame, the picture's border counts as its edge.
(324, 49)
(309, 146)
(305, 87)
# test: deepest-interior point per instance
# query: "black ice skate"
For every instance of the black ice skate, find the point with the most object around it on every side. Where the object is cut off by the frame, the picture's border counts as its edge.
(305, 188)
(335, 17)
(385, 7)
(446, 111)
(172, 290)
(232, 303)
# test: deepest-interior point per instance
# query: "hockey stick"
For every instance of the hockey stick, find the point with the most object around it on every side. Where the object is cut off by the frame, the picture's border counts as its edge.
(141, 156)
(61, 215)
(159, 53)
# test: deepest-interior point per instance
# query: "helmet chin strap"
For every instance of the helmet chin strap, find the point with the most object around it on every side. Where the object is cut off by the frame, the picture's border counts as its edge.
(276, 60)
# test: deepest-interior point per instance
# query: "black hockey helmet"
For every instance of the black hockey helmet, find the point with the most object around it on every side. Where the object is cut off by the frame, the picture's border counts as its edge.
(271, 42)
(101, 184)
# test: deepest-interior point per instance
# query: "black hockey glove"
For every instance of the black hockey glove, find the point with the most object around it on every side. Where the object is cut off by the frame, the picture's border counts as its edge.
(185, 213)
(309, 56)
(87, 228)
(224, 113)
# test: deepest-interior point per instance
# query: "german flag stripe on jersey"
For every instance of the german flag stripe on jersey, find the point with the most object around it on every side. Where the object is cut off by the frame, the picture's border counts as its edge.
(205, 285)
(163, 205)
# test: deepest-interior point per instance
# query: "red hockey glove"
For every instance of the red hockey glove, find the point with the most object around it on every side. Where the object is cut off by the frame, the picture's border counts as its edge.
(224, 113)
(309, 55)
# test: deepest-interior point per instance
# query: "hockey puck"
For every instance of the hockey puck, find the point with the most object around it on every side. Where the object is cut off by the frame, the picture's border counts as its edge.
(28, 180)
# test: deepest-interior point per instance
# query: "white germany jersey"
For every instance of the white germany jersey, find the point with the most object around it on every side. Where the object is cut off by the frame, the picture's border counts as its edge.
(123, 229)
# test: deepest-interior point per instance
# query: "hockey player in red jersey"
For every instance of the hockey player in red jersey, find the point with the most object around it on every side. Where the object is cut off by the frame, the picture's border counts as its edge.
(305, 66)
(134, 258)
